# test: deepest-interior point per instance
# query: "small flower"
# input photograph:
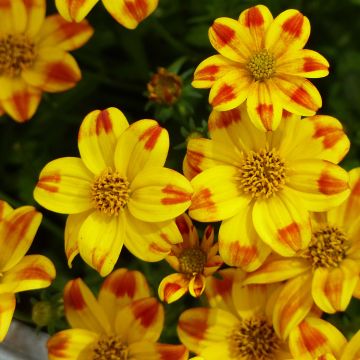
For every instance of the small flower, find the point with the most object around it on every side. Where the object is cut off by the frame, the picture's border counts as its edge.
(117, 192)
(19, 272)
(128, 13)
(123, 323)
(193, 261)
(34, 55)
(262, 61)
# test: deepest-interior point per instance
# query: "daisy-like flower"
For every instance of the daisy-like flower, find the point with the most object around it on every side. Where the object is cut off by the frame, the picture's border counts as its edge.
(193, 261)
(123, 323)
(128, 13)
(326, 272)
(117, 193)
(34, 55)
(263, 185)
(244, 331)
(262, 60)
(19, 272)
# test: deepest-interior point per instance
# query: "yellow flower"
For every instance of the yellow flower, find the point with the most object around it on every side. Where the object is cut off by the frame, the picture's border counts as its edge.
(262, 60)
(34, 55)
(19, 272)
(263, 185)
(123, 323)
(193, 261)
(117, 193)
(326, 272)
(128, 13)
(241, 331)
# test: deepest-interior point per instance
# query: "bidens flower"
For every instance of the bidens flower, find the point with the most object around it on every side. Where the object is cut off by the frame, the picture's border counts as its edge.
(117, 193)
(19, 272)
(128, 13)
(123, 323)
(34, 55)
(263, 185)
(262, 60)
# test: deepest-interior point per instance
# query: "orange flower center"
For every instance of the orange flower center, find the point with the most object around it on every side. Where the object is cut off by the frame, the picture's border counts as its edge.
(110, 192)
(17, 53)
(254, 339)
(110, 347)
(328, 247)
(262, 173)
(261, 65)
(192, 261)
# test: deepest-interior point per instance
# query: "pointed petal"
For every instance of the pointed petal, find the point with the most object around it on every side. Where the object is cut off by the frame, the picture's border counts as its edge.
(64, 186)
(7, 308)
(207, 242)
(5, 209)
(352, 348)
(188, 231)
(97, 138)
(35, 10)
(173, 287)
(82, 309)
(101, 238)
(197, 285)
(74, 10)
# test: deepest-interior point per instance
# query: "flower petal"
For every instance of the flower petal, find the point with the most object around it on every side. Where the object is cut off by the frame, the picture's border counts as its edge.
(352, 348)
(5, 209)
(13, 16)
(7, 308)
(101, 238)
(173, 287)
(35, 10)
(74, 10)
(64, 186)
(130, 13)
(188, 232)
(97, 138)
(143, 350)
(197, 285)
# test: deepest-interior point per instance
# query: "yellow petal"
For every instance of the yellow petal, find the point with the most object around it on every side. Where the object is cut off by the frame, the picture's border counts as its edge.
(145, 350)
(13, 16)
(5, 209)
(173, 287)
(352, 348)
(74, 10)
(197, 285)
(188, 231)
(7, 308)
(35, 10)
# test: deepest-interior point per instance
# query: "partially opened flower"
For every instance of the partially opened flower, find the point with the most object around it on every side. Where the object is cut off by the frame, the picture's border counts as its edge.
(123, 323)
(117, 193)
(262, 61)
(19, 272)
(193, 260)
(263, 185)
(128, 13)
(34, 55)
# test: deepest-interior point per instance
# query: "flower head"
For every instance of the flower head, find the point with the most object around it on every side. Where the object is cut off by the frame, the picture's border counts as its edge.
(19, 272)
(34, 55)
(193, 261)
(262, 61)
(123, 323)
(117, 193)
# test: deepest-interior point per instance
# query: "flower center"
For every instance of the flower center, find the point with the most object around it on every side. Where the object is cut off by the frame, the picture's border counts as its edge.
(17, 53)
(328, 247)
(254, 339)
(192, 261)
(110, 348)
(110, 192)
(262, 173)
(261, 65)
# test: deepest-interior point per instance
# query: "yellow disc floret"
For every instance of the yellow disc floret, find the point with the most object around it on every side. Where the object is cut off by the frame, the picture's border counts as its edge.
(261, 65)
(192, 261)
(110, 348)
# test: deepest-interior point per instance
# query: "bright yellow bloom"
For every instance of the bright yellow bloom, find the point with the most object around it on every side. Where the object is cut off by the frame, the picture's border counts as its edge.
(19, 272)
(263, 185)
(34, 55)
(123, 323)
(117, 193)
(192, 260)
(262, 60)
(128, 13)
(242, 330)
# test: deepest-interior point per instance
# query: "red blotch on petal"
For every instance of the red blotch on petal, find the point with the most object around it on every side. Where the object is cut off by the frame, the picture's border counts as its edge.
(330, 185)
(224, 34)
(193, 160)
(202, 199)
(301, 97)
(294, 25)
(73, 296)
(138, 9)
(311, 337)
(156, 248)
(242, 255)
(58, 344)
(168, 352)
(182, 225)
(176, 195)
(62, 73)
(196, 327)
(43, 182)
(224, 119)
(207, 73)
(225, 94)
(170, 289)
(103, 122)
(311, 64)
(290, 236)
(22, 102)
(123, 284)
(150, 136)
(34, 273)
(332, 135)
(146, 310)
(356, 188)
(254, 17)
(266, 113)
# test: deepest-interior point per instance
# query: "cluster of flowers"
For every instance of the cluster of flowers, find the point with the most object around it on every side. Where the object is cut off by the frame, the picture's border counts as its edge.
(289, 229)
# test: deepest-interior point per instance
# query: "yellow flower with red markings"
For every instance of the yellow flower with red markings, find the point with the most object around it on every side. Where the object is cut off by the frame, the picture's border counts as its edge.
(122, 323)
(193, 261)
(242, 330)
(128, 13)
(263, 185)
(118, 192)
(262, 60)
(34, 55)
(326, 272)
(18, 271)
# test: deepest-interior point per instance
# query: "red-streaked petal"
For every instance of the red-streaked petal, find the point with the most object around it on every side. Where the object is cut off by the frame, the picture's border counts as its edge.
(62, 34)
(173, 287)
(74, 10)
(82, 309)
(97, 138)
(64, 186)
(5, 209)
(208, 241)
(351, 350)
(17, 232)
(197, 285)
(188, 231)
(143, 350)
(35, 10)
(130, 13)
(7, 308)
